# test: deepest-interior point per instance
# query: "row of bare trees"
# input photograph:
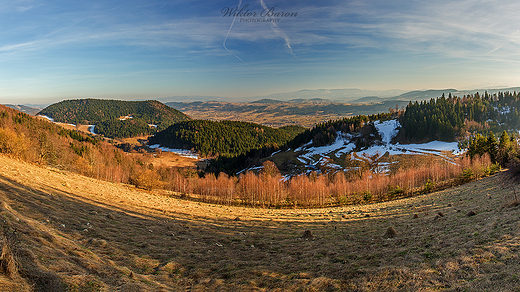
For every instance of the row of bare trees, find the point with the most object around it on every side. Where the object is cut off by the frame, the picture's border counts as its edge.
(270, 189)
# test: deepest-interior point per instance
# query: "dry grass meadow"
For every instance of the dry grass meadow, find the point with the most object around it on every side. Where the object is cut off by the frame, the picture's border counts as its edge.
(65, 232)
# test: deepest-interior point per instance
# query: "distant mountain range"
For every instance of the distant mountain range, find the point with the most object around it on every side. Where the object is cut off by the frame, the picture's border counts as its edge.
(350, 95)
(28, 109)
(319, 96)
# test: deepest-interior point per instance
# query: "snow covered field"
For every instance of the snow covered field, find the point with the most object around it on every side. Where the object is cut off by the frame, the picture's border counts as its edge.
(46, 117)
(181, 152)
(311, 156)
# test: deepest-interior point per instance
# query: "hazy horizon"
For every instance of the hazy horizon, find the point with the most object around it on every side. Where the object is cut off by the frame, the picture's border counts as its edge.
(53, 50)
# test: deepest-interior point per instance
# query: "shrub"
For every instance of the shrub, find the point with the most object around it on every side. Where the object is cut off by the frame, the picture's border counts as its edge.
(467, 175)
(428, 186)
(367, 196)
(145, 179)
(395, 191)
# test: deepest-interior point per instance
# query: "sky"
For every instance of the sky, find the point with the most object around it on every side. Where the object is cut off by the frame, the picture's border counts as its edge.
(132, 49)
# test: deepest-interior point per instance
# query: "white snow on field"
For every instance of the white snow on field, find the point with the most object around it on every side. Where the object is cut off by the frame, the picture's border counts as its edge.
(48, 118)
(311, 156)
(503, 110)
(252, 168)
(181, 152)
(302, 147)
(91, 129)
(126, 118)
(342, 144)
(387, 129)
(348, 148)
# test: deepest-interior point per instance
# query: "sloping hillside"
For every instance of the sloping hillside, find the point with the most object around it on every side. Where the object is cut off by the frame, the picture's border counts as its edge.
(119, 118)
(92, 111)
(66, 232)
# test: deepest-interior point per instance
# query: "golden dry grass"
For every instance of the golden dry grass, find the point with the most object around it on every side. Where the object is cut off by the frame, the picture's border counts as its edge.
(72, 233)
(263, 117)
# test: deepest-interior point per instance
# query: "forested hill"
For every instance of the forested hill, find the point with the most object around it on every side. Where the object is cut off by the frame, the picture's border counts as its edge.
(225, 138)
(444, 118)
(93, 111)
(447, 118)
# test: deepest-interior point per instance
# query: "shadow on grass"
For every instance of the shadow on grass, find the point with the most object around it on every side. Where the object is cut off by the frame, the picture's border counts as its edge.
(114, 246)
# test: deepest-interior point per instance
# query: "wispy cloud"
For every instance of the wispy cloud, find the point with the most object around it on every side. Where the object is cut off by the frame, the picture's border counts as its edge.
(279, 31)
(229, 30)
(185, 36)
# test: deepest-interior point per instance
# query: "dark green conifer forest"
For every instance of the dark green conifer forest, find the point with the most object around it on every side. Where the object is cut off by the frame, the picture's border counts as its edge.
(448, 118)
(224, 138)
(105, 115)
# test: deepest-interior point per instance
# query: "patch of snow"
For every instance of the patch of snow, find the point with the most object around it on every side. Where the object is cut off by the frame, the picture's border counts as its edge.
(503, 110)
(276, 152)
(126, 118)
(349, 147)
(387, 129)
(48, 118)
(301, 148)
(91, 129)
(152, 126)
(181, 152)
(301, 160)
(314, 156)
(333, 165)
(322, 150)
(251, 168)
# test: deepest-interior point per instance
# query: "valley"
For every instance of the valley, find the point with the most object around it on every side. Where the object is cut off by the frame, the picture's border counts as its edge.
(306, 113)
(396, 214)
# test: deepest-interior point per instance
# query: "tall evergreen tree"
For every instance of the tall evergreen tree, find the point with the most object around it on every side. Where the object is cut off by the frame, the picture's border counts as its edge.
(492, 146)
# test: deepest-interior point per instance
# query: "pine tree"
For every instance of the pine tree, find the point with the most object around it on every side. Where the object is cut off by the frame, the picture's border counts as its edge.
(492, 146)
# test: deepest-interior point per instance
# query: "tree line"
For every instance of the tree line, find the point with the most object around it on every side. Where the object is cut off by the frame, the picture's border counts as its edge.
(447, 118)
(326, 133)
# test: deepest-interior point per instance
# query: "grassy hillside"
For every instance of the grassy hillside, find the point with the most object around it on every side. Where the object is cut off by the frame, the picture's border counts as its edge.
(108, 112)
(65, 232)
(38, 141)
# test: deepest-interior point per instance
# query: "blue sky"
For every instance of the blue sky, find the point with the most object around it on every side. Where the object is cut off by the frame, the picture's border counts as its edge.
(55, 50)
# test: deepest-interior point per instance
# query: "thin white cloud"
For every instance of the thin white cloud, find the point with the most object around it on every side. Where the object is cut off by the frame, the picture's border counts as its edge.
(229, 30)
(279, 31)
(460, 29)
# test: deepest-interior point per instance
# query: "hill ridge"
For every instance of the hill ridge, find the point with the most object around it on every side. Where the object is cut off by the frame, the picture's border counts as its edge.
(91, 112)
(147, 116)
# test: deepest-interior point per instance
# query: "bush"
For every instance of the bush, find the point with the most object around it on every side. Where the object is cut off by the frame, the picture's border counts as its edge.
(11, 143)
(367, 196)
(467, 175)
(395, 191)
(428, 186)
(145, 179)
